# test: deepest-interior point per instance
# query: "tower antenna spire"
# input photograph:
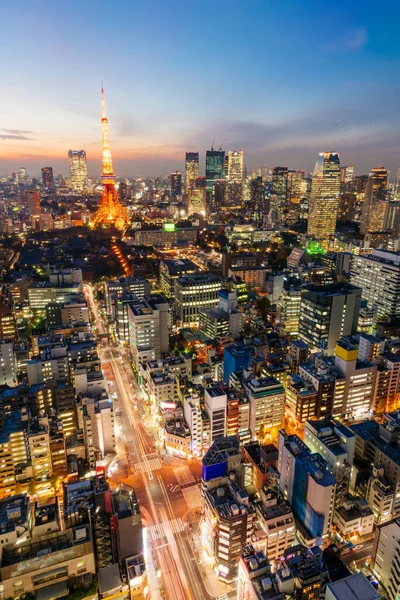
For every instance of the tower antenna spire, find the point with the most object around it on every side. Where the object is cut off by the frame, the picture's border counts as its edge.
(111, 211)
(103, 102)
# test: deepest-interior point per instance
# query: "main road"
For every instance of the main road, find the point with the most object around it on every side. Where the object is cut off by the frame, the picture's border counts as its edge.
(167, 488)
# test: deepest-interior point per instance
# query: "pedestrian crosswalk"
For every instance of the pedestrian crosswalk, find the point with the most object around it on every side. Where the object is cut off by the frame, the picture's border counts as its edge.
(163, 530)
(223, 597)
(183, 475)
(153, 464)
(192, 496)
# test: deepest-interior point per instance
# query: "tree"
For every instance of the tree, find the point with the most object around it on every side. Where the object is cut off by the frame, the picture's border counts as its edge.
(263, 305)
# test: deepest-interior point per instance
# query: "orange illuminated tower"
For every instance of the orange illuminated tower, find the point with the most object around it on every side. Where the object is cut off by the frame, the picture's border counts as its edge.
(110, 211)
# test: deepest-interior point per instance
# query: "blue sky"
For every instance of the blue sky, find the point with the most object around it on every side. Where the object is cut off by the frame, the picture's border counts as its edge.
(280, 79)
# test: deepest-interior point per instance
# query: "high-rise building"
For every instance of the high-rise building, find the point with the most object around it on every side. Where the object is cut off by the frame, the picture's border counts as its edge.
(384, 555)
(288, 309)
(176, 184)
(191, 168)
(235, 166)
(197, 197)
(33, 202)
(307, 485)
(375, 205)
(47, 178)
(215, 164)
(193, 292)
(8, 364)
(267, 398)
(324, 198)
(327, 313)
(22, 177)
(279, 192)
(77, 169)
(378, 274)
(257, 203)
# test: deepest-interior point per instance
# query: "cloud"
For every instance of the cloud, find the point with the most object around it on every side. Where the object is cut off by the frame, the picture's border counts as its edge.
(353, 40)
(16, 134)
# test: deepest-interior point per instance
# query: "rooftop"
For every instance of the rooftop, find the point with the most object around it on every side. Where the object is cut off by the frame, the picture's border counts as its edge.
(354, 587)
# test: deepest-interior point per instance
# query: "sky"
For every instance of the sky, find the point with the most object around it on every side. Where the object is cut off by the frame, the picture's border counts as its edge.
(280, 79)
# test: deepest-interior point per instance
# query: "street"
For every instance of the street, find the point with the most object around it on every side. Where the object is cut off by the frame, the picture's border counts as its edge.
(167, 488)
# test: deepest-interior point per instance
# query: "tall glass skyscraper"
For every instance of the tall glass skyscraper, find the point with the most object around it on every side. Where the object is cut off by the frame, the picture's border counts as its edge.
(324, 198)
(375, 205)
(77, 169)
(215, 164)
(191, 168)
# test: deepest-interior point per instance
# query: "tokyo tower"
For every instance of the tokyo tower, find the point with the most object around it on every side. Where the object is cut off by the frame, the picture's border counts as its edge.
(110, 211)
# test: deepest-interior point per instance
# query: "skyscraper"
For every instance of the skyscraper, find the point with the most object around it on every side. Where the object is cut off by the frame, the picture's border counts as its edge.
(33, 202)
(77, 169)
(47, 178)
(257, 203)
(235, 166)
(176, 184)
(235, 178)
(375, 205)
(215, 163)
(191, 168)
(197, 197)
(324, 198)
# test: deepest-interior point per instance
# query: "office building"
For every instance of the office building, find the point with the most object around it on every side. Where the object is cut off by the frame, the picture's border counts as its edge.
(308, 486)
(347, 206)
(235, 166)
(324, 198)
(376, 443)
(236, 358)
(77, 169)
(345, 384)
(98, 427)
(8, 364)
(303, 573)
(33, 203)
(385, 562)
(375, 204)
(378, 275)
(171, 269)
(267, 398)
(327, 313)
(279, 191)
(255, 579)
(354, 517)
(191, 168)
(197, 197)
(227, 527)
(336, 443)
(215, 403)
(288, 309)
(176, 184)
(124, 285)
(8, 327)
(215, 164)
(166, 237)
(148, 327)
(193, 292)
(275, 517)
(47, 178)
(224, 320)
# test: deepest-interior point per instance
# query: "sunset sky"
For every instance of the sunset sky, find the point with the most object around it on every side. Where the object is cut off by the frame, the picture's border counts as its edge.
(281, 79)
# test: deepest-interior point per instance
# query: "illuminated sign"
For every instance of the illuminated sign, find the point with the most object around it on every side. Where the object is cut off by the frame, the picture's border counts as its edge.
(169, 226)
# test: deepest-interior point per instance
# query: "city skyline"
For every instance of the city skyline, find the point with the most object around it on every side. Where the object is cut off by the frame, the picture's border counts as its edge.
(297, 86)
